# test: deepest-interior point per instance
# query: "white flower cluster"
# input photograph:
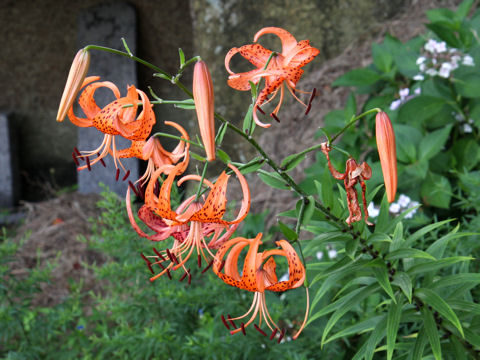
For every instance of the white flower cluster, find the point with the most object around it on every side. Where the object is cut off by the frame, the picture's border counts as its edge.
(405, 95)
(467, 124)
(403, 203)
(439, 60)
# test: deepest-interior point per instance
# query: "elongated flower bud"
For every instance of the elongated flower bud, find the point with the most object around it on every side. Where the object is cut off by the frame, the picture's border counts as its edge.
(204, 105)
(77, 74)
(388, 153)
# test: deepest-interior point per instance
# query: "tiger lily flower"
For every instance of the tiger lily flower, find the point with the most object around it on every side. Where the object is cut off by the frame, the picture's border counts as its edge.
(257, 276)
(192, 221)
(388, 153)
(283, 68)
(114, 119)
(354, 173)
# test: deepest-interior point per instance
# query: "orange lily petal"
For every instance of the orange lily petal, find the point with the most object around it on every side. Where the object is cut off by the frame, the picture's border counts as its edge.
(296, 270)
(288, 41)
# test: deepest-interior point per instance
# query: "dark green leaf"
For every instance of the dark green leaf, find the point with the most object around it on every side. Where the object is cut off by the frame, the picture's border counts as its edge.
(433, 143)
(289, 233)
(467, 82)
(291, 161)
(357, 77)
(221, 134)
(419, 109)
(382, 58)
(393, 322)
(408, 253)
(432, 333)
(382, 277)
(436, 191)
(432, 266)
(403, 281)
(223, 156)
(273, 179)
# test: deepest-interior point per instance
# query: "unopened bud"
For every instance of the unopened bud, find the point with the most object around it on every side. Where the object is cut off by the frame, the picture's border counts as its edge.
(77, 74)
(204, 105)
(388, 153)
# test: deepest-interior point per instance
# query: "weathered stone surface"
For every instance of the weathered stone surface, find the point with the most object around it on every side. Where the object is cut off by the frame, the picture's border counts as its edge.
(8, 163)
(105, 25)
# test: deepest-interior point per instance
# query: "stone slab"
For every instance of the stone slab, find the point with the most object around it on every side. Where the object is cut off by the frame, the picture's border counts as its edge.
(105, 25)
(8, 163)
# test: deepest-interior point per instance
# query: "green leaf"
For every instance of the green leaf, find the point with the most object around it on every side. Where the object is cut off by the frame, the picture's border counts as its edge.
(382, 277)
(407, 139)
(419, 345)
(221, 133)
(419, 109)
(432, 333)
(357, 328)
(403, 281)
(348, 302)
(251, 166)
(432, 266)
(467, 154)
(456, 279)
(436, 191)
(291, 161)
(289, 233)
(327, 188)
(197, 157)
(433, 142)
(309, 209)
(466, 306)
(182, 57)
(223, 156)
(398, 238)
(393, 322)
(431, 298)
(351, 247)
(377, 335)
(273, 179)
(382, 58)
(357, 77)
(463, 9)
(248, 119)
(408, 253)
(467, 82)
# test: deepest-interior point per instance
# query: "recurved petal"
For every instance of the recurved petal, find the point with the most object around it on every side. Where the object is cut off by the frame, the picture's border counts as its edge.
(161, 205)
(86, 99)
(216, 202)
(301, 54)
(229, 276)
(251, 264)
(256, 54)
(387, 152)
(288, 41)
(296, 270)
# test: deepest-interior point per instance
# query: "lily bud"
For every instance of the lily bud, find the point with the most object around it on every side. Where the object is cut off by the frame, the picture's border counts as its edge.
(388, 153)
(77, 74)
(204, 105)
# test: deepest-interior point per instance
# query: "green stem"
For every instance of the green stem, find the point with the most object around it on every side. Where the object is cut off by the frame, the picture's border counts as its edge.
(353, 121)
(297, 228)
(178, 138)
(199, 191)
(126, 54)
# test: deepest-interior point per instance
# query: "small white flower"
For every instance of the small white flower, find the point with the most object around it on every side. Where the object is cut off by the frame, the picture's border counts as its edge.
(419, 77)
(417, 91)
(468, 61)
(430, 45)
(403, 200)
(411, 213)
(422, 67)
(455, 59)
(372, 210)
(404, 93)
(421, 60)
(467, 128)
(332, 254)
(445, 70)
(319, 255)
(395, 104)
(458, 117)
(431, 72)
(441, 47)
(394, 208)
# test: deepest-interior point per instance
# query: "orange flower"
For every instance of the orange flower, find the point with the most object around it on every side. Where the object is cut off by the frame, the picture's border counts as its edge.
(114, 119)
(388, 153)
(354, 173)
(77, 74)
(191, 222)
(204, 105)
(257, 276)
(283, 68)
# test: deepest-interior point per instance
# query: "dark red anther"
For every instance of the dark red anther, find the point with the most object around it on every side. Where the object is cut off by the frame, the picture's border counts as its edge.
(101, 161)
(243, 329)
(168, 274)
(221, 266)
(145, 258)
(158, 254)
(260, 109)
(308, 109)
(189, 279)
(208, 266)
(150, 268)
(74, 156)
(225, 322)
(275, 117)
(274, 332)
(87, 159)
(117, 174)
(133, 188)
(126, 175)
(171, 257)
(282, 334)
(141, 191)
(230, 320)
(185, 275)
(77, 152)
(314, 92)
(259, 330)
(199, 260)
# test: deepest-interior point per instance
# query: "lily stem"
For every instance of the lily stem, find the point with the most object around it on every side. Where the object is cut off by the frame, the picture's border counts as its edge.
(353, 121)
(199, 191)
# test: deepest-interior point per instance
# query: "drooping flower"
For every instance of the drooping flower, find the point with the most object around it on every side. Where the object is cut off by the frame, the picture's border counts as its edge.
(191, 223)
(76, 75)
(354, 173)
(117, 118)
(283, 69)
(258, 275)
(387, 152)
(204, 105)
